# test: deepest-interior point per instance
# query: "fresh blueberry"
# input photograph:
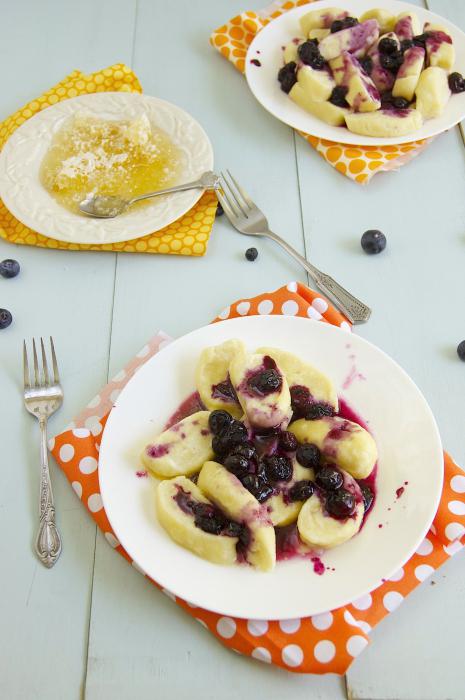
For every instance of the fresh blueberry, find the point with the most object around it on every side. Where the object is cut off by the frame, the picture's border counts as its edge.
(266, 382)
(349, 22)
(301, 491)
(340, 24)
(392, 62)
(218, 421)
(318, 410)
(9, 268)
(251, 254)
(338, 96)
(456, 82)
(461, 350)
(420, 39)
(367, 64)
(309, 456)
(278, 468)
(368, 496)
(5, 318)
(309, 54)
(406, 44)
(287, 76)
(237, 465)
(386, 99)
(287, 441)
(387, 46)
(300, 399)
(251, 482)
(245, 450)
(329, 478)
(219, 210)
(373, 242)
(400, 103)
(340, 504)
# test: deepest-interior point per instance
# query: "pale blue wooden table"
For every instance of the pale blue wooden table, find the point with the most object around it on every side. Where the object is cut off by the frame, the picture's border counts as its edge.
(93, 626)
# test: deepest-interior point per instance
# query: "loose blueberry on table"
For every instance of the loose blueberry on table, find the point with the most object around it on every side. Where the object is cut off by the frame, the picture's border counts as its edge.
(251, 254)
(5, 318)
(247, 490)
(9, 268)
(379, 75)
(373, 242)
(461, 350)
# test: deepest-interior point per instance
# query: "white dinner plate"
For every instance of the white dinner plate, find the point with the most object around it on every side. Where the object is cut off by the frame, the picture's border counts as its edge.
(264, 85)
(27, 199)
(381, 392)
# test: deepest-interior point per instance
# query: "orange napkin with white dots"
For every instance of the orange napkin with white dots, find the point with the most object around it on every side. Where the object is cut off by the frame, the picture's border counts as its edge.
(187, 236)
(326, 643)
(359, 163)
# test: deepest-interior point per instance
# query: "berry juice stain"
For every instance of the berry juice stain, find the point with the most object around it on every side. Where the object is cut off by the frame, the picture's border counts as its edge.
(400, 491)
(318, 566)
(142, 474)
(255, 62)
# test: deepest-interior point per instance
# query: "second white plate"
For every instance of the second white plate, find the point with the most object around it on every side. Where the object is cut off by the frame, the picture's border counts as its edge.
(262, 80)
(409, 451)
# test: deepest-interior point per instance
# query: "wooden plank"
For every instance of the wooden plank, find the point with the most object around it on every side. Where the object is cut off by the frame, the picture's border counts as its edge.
(140, 643)
(45, 612)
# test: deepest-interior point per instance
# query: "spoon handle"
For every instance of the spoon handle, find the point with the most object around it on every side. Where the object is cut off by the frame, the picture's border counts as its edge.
(197, 184)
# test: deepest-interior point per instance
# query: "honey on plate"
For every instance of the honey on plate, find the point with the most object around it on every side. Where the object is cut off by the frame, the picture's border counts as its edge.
(108, 157)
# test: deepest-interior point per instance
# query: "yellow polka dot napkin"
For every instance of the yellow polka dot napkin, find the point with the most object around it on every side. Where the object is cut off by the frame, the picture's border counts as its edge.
(187, 236)
(359, 163)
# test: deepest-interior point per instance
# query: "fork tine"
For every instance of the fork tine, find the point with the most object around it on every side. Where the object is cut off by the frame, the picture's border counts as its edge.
(56, 376)
(36, 364)
(44, 363)
(25, 367)
(235, 212)
(224, 203)
(234, 195)
(241, 191)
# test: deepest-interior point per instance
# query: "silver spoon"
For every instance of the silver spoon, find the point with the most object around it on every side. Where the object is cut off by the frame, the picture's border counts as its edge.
(107, 207)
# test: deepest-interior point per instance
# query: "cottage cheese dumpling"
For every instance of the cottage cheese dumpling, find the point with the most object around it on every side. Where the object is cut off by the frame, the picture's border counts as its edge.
(432, 92)
(362, 94)
(281, 510)
(262, 390)
(385, 123)
(317, 84)
(346, 443)
(408, 74)
(355, 40)
(182, 449)
(212, 376)
(175, 502)
(321, 19)
(439, 47)
(326, 111)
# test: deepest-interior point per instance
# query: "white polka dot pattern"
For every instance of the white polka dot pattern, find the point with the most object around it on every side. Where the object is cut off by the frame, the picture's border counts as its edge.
(226, 627)
(87, 465)
(356, 644)
(292, 655)
(363, 603)
(324, 651)
(243, 308)
(257, 627)
(111, 539)
(425, 548)
(290, 626)
(392, 600)
(423, 571)
(95, 503)
(454, 531)
(456, 507)
(323, 621)
(77, 488)
(262, 654)
(457, 483)
(66, 452)
(290, 308)
(265, 307)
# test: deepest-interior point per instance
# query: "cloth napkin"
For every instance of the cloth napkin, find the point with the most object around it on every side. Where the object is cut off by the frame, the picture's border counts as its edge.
(326, 643)
(359, 163)
(187, 236)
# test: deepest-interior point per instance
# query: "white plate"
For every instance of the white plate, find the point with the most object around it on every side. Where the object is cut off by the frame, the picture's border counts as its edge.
(26, 198)
(409, 450)
(264, 84)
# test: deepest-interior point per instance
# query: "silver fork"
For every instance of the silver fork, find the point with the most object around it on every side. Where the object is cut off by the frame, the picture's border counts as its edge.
(247, 218)
(43, 396)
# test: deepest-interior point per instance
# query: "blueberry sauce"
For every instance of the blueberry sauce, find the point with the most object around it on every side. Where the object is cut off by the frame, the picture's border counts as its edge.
(224, 391)
(156, 451)
(352, 376)
(255, 62)
(191, 405)
(318, 566)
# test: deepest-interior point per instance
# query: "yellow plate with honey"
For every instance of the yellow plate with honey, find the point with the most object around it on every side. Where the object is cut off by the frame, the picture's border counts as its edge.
(106, 143)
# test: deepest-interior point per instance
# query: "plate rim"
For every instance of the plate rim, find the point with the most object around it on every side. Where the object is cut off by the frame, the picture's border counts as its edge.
(28, 220)
(348, 138)
(343, 601)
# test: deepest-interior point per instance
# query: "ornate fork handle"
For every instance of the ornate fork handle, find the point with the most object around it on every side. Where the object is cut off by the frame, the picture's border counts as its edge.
(48, 541)
(355, 310)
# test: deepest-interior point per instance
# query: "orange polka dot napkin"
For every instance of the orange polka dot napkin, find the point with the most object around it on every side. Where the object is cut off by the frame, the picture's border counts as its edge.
(326, 643)
(187, 236)
(359, 163)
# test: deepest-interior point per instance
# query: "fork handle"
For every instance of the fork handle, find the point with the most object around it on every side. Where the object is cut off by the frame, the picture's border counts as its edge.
(355, 310)
(48, 540)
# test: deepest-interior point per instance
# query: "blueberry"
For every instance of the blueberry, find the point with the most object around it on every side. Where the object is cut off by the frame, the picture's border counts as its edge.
(349, 22)
(367, 64)
(5, 318)
(235, 434)
(251, 254)
(287, 441)
(301, 491)
(318, 410)
(406, 44)
(300, 399)
(244, 537)
(219, 210)
(373, 242)
(345, 23)
(309, 456)
(400, 103)
(224, 390)
(237, 465)
(386, 99)
(309, 54)
(368, 496)
(210, 525)
(202, 510)
(9, 268)
(456, 82)
(266, 382)
(251, 482)
(245, 450)
(420, 39)
(218, 421)
(233, 529)
(392, 62)
(278, 468)
(387, 46)
(263, 492)
(287, 76)
(461, 350)
(336, 26)
(338, 96)
(340, 504)
(329, 478)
